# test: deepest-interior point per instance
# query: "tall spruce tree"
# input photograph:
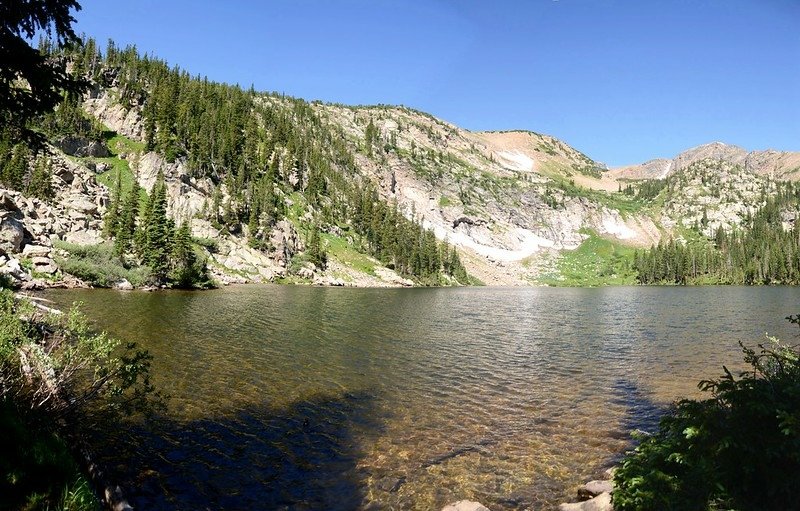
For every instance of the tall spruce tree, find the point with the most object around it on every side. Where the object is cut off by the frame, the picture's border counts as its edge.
(123, 239)
(157, 231)
(41, 182)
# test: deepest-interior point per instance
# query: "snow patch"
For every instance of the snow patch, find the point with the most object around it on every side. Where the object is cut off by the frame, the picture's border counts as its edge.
(529, 243)
(515, 160)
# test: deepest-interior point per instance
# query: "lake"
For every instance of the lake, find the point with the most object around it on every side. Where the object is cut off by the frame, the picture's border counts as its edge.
(287, 397)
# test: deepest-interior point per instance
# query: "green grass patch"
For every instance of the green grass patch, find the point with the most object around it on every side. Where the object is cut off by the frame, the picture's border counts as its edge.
(596, 262)
(118, 144)
(37, 471)
(297, 209)
(338, 248)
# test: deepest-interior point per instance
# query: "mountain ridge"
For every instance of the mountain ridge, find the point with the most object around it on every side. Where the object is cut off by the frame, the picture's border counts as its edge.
(514, 203)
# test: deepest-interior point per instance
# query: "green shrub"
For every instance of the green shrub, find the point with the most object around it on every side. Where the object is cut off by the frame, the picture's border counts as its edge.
(209, 244)
(738, 449)
(57, 376)
(98, 266)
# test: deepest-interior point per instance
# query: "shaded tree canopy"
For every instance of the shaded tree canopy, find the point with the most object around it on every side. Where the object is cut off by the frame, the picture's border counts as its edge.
(31, 81)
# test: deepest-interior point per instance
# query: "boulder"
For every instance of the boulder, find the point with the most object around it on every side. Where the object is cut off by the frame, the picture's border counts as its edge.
(600, 503)
(36, 251)
(13, 268)
(82, 205)
(326, 280)
(7, 202)
(82, 147)
(79, 185)
(307, 271)
(44, 265)
(83, 237)
(123, 285)
(64, 174)
(12, 233)
(34, 285)
(390, 276)
(594, 488)
(465, 505)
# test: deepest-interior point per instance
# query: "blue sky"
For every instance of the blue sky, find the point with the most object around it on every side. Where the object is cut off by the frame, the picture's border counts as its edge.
(622, 81)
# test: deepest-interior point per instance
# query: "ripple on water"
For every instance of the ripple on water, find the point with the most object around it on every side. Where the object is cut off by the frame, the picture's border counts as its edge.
(308, 398)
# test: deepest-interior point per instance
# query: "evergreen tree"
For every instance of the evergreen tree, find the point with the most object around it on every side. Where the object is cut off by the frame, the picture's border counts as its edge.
(157, 231)
(31, 82)
(41, 182)
(14, 172)
(113, 215)
(186, 270)
(123, 238)
(314, 250)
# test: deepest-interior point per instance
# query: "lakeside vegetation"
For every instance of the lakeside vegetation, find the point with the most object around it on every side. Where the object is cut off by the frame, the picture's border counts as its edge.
(738, 449)
(596, 262)
(37, 469)
(762, 251)
(58, 382)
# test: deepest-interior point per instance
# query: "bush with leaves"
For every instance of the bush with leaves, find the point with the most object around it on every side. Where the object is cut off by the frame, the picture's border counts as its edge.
(53, 367)
(738, 449)
(99, 266)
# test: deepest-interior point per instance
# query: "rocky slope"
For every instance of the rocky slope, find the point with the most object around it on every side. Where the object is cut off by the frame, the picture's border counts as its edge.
(512, 202)
(29, 226)
(502, 197)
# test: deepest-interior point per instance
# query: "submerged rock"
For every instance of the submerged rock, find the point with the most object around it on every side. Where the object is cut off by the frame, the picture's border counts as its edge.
(465, 505)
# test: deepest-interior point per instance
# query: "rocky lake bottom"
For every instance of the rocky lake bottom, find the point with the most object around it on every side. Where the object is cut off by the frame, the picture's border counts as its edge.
(290, 397)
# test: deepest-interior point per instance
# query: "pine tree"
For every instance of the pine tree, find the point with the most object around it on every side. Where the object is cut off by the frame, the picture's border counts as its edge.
(123, 239)
(13, 175)
(186, 271)
(113, 216)
(157, 231)
(314, 251)
(41, 183)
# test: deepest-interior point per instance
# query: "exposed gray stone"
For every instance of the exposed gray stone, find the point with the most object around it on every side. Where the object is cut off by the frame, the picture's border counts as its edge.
(123, 285)
(82, 205)
(30, 250)
(600, 503)
(465, 505)
(44, 265)
(13, 268)
(7, 202)
(594, 488)
(12, 233)
(82, 147)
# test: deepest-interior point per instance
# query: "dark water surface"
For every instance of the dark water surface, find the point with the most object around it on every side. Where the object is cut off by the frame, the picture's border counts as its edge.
(318, 398)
